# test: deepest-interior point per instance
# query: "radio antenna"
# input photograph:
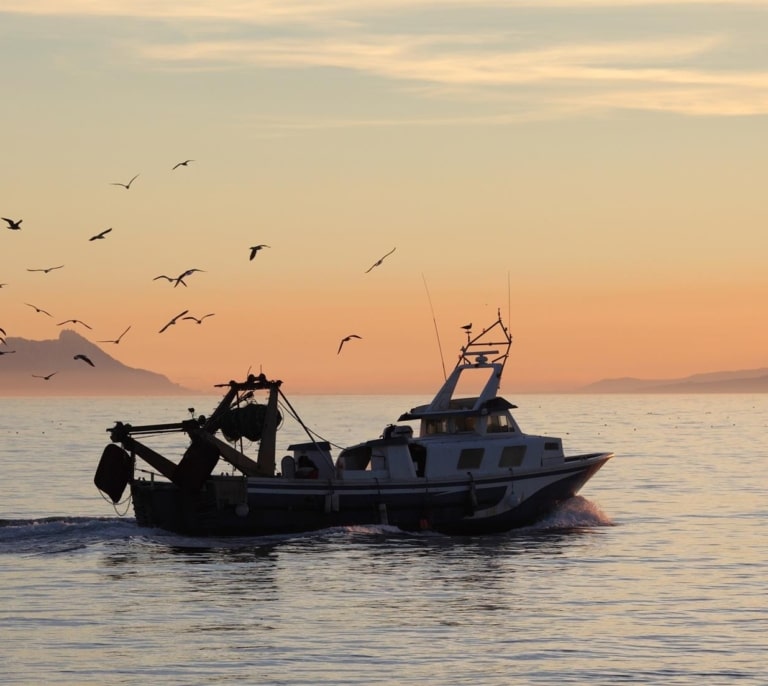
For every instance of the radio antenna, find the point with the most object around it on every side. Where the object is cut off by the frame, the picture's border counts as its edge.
(434, 321)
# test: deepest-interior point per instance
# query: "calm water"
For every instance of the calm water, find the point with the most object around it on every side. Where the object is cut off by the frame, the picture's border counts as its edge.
(656, 574)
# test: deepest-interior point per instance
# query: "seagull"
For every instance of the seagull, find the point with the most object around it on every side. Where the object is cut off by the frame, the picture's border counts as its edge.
(116, 340)
(173, 321)
(125, 185)
(2, 285)
(345, 339)
(378, 262)
(200, 321)
(3, 341)
(255, 248)
(189, 272)
(47, 377)
(179, 279)
(13, 225)
(84, 358)
(100, 235)
(75, 321)
(467, 327)
(3, 332)
(37, 309)
(6, 352)
(45, 269)
(182, 164)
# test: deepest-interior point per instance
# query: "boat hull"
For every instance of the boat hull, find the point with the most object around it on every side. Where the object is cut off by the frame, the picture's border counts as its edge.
(240, 506)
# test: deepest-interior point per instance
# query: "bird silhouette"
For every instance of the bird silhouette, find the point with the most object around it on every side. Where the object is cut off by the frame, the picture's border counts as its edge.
(100, 235)
(3, 285)
(74, 321)
(173, 321)
(47, 377)
(178, 279)
(45, 269)
(200, 321)
(84, 358)
(6, 352)
(467, 327)
(181, 164)
(2, 331)
(379, 261)
(255, 248)
(13, 225)
(345, 339)
(116, 340)
(38, 309)
(125, 185)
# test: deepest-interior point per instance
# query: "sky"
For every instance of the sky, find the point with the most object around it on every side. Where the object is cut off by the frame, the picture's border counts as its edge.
(594, 171)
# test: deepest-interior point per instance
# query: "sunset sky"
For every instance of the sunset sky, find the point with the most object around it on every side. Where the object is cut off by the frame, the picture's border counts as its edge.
(595, 170)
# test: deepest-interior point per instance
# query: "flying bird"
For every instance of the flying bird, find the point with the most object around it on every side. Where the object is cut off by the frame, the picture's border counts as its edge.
(255, 248)
(84, 358)
(45, 269)
(38, 309)
(345, 339)
(125, 185)
(181, 164)
(3, 332)
(173, 321)
(178, 279)
(6, 352)
(379, 261)
(116, 340)
(13, 225)
(100, 235)
(75, 321)
(46, 377)
(200, 321)
(2, 285)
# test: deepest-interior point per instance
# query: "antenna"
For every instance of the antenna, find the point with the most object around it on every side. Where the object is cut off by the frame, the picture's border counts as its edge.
(509, 302)
(434, 321)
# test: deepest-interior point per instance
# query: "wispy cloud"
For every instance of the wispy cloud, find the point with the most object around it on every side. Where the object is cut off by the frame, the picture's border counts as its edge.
(277, 10)
(610, 75)
(691, 72)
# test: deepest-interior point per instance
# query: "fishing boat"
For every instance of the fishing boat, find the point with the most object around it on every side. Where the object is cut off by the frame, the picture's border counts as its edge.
(457, 465)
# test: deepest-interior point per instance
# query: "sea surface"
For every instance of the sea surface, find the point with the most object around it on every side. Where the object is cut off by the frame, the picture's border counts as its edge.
(657, 573)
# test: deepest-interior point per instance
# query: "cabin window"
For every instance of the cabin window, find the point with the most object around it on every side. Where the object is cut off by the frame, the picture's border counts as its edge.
(512, 456)
(464, 424)
(470, 458)
(435, 426)
(355, 458)
(498, 423)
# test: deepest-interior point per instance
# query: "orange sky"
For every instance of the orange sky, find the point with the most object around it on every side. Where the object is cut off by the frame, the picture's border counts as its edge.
(597, 175)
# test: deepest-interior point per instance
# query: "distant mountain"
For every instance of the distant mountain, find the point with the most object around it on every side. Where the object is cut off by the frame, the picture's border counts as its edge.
(743, 381)
(74, 377)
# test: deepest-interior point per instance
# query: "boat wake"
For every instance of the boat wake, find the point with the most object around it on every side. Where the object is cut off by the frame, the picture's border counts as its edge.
(575, 514)
(56, 535)
(52, 535)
